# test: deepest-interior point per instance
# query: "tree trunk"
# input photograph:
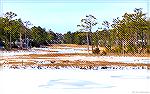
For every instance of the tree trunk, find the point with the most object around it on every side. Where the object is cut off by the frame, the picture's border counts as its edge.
(20, 40)
(87, 38)
(10, 41)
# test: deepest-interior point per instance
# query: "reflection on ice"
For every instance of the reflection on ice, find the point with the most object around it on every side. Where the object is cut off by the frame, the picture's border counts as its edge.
(74, 84)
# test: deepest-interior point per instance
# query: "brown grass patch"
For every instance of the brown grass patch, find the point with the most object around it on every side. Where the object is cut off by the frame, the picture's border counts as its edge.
(48, 55)
(79, 64)
(90, 65)
(129, 54)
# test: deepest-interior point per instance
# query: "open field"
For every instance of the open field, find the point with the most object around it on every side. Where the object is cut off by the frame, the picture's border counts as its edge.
(74, 56)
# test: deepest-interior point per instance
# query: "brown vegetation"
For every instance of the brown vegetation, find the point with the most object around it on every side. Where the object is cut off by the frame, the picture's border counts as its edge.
(30, 60)
(80, 64)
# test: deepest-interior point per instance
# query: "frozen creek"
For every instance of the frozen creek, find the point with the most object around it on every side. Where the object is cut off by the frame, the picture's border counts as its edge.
(74, 81)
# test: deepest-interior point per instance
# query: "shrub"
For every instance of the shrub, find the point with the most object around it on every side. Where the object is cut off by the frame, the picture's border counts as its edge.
(148, 51)
(96, 51)
(117, 50)
(132, 49)
(103, 53)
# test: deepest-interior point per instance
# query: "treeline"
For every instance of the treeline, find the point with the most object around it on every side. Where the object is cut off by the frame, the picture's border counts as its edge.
(15, 33)
(129, 34)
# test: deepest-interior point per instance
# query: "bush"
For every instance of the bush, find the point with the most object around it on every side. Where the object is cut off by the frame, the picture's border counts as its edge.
(132, 49)
(96, 51)
(117, 50)
(103, 53)
(148, 51)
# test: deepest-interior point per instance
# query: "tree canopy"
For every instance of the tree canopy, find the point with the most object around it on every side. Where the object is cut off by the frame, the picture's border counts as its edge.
(131, 33)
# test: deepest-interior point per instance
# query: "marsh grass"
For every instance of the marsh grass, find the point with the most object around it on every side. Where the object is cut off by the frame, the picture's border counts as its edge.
(80, 64)
(72, 64)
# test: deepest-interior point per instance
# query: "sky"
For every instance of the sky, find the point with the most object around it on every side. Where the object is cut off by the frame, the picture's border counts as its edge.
(64, 15)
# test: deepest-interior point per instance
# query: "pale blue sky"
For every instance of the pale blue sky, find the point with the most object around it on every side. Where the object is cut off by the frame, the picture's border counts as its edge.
(64, 15)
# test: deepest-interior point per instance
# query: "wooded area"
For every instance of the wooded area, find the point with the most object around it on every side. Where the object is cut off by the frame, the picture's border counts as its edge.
(129, 34)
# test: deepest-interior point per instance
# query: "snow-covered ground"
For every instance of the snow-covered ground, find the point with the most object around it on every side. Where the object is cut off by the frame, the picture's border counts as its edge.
(64, 50)
(43, 51)
(125, 59)
(21, 52)
(74, 81)
(70, 80)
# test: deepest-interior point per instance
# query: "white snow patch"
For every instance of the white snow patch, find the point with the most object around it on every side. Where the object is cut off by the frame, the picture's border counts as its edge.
(20, 52)
(74, 81)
